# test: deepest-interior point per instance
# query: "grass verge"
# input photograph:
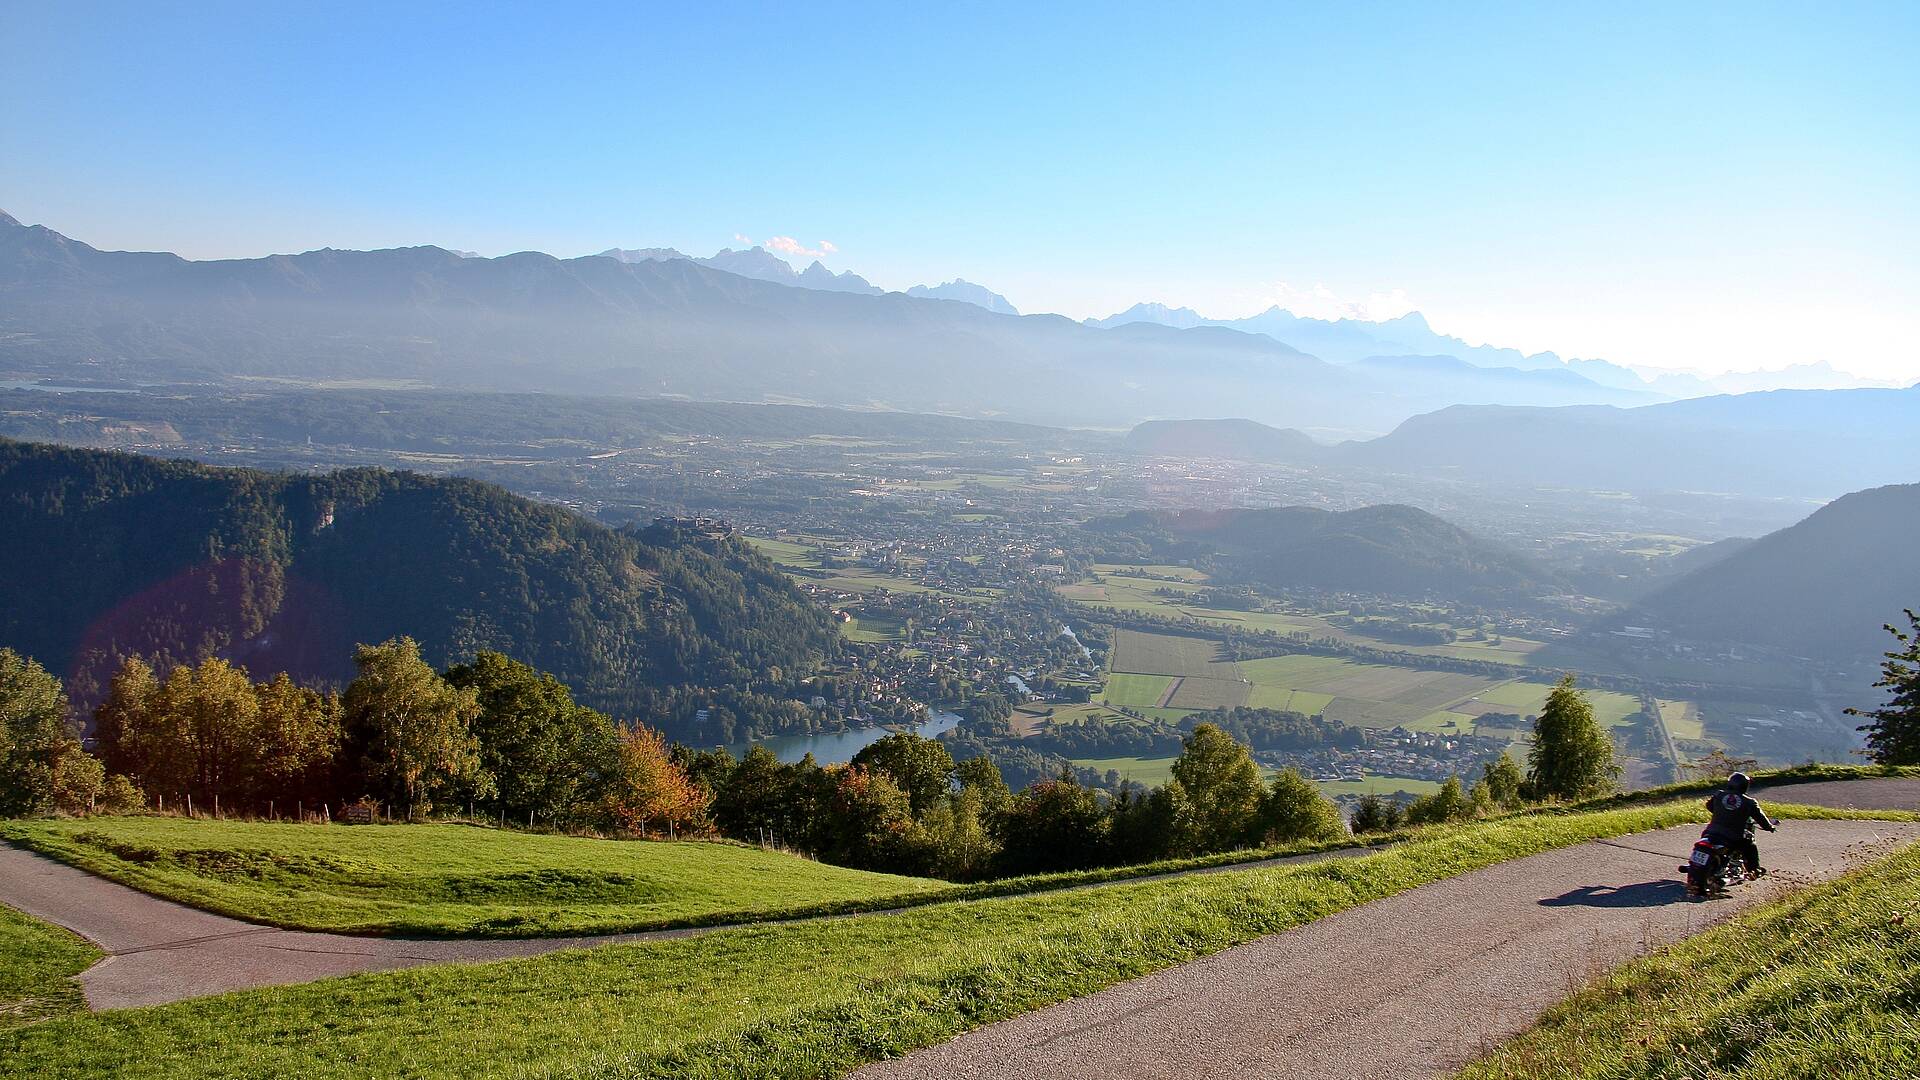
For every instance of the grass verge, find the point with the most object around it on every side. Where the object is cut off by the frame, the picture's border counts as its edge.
(36, 960)
(799, 1000)
(1823, 984)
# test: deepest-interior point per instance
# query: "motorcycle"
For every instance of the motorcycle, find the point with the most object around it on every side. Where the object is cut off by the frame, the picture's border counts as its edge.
(1713, 868)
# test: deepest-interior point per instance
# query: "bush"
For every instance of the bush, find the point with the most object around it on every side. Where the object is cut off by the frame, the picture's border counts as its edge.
(1450, 803)
(119, 795)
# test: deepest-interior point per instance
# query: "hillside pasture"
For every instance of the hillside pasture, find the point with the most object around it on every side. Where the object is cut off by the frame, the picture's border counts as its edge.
(446, 880)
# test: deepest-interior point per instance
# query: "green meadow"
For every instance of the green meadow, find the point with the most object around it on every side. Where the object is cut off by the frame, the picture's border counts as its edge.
(456, 880)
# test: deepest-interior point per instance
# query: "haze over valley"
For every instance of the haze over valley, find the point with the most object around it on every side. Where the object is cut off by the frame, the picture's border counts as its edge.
(1009, 541)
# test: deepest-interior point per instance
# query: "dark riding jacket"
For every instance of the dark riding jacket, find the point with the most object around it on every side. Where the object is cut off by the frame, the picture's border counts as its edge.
(1734, 816)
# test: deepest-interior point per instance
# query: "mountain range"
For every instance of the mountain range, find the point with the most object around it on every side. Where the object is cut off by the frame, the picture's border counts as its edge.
(1350, 341)
(1802, 444)
(106, 554)
(740, 326)
(763, 265)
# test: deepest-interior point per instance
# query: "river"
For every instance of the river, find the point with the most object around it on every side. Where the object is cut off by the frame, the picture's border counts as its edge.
(838, 747)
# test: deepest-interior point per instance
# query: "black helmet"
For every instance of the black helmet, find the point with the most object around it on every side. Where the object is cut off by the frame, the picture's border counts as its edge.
(1738, 782)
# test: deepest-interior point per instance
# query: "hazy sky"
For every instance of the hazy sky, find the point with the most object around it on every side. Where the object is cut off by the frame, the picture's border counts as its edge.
(1715, 186)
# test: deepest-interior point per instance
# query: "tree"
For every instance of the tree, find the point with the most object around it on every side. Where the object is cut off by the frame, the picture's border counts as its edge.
(1503, 781)
(1718, 765)
(922, 767)
(78, 780)
(118, 720)
(1571, 757)
(412, 728)
(38, 753)
(1222, 786)
(1294, 810)
(871, 823)
(1053, 825)
(959, 842)
(647, 789)
(754, 798)
(981, 776)
(1450, 803)
(1893, 730)
(547, 755)
(296, 740)
(1374, 814)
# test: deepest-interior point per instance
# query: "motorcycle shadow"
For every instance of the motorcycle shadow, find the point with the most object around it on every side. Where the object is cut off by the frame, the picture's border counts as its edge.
(1644, 894)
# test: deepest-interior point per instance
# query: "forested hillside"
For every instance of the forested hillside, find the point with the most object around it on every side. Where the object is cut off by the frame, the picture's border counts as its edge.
(1380, 549)
(105, 554)
(1822, 588)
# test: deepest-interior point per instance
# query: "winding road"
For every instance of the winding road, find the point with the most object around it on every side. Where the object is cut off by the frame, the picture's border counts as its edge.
(160, 951)
(1417, 984)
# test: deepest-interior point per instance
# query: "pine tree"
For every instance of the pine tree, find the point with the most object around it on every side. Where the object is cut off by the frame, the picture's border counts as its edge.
(1893, 736)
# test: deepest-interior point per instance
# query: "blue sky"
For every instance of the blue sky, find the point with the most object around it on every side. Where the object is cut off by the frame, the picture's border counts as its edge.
(1712, 186)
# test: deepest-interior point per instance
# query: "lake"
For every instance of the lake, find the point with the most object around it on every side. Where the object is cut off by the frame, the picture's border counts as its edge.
(838, 747)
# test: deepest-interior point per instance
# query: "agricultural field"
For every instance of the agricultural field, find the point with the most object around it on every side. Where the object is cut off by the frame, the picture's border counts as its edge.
(446, 879)
(1137, 691)
(872, 629)
(1683, 720)
(1166, 654)
(1124, 588)
(1158, 570)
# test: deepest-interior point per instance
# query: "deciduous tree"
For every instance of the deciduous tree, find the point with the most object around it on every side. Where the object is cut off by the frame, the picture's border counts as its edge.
(920, 766)
(412, 728)
(1223, 789)
(1295, 810)
(38, 751)
(647, 790)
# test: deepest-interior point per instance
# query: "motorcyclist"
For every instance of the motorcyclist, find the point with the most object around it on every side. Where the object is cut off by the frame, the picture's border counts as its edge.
(1734, 816)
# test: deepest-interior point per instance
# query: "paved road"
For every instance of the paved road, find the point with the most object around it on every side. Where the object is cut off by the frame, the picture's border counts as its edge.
(160, 951)
(1886, 794)
(1414, 985)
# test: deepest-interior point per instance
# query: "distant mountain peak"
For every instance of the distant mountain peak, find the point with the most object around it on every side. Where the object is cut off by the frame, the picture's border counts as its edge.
(1153, 312)
(640, 255)
(966, 292)
(8, 219)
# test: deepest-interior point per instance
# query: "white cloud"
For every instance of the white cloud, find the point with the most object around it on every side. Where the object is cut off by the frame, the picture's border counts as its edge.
(743, 238)
(787, 245)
